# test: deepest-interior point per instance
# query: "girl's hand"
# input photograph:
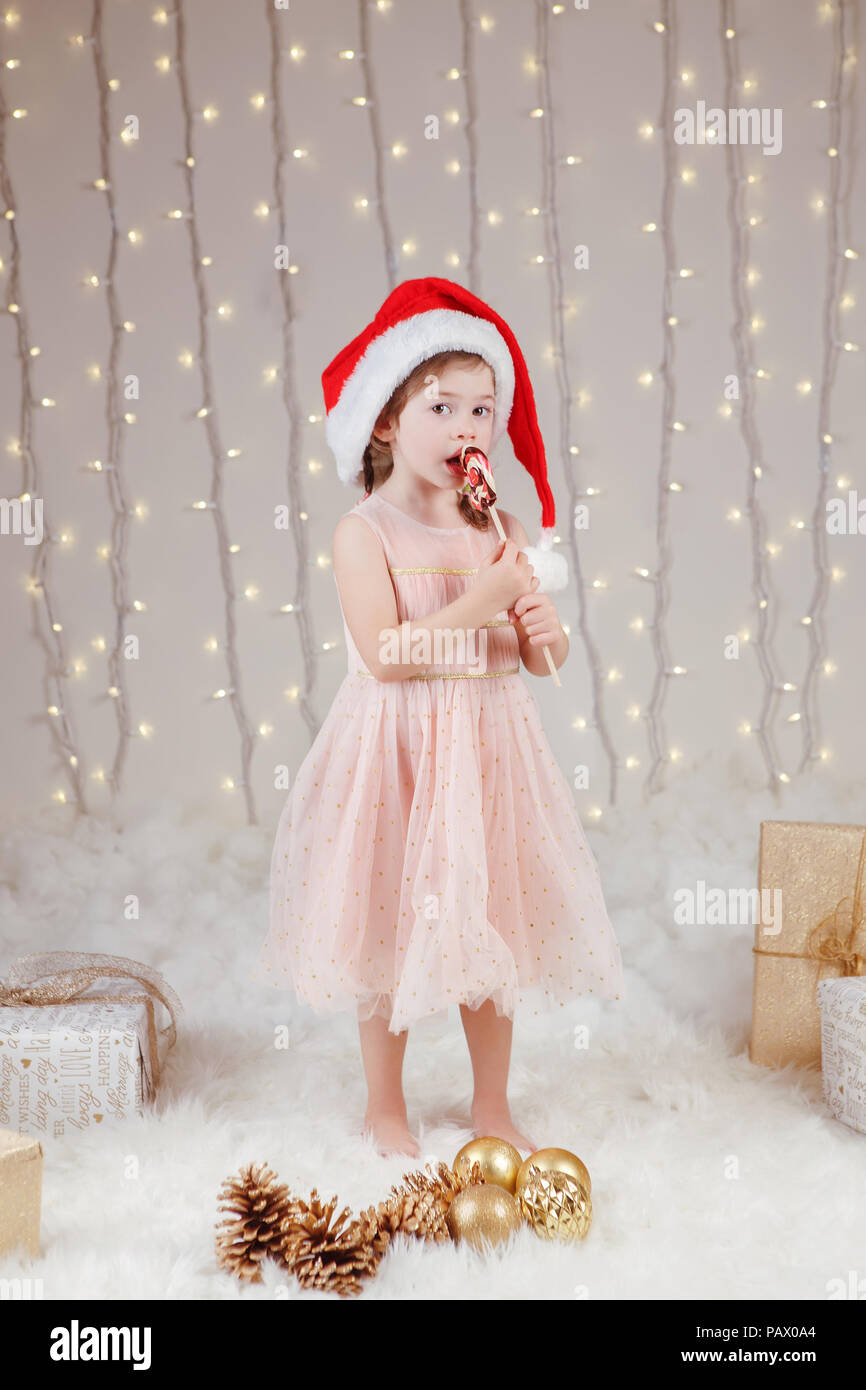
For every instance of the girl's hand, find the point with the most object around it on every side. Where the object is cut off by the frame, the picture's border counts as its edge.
(504, 575)
(512, 616)
(538, 615)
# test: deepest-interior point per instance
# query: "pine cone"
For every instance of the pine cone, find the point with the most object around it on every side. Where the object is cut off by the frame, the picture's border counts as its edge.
(411, 1213)
(322, 1251)
(325, 1253)
(420, 1205)
(258, 1203)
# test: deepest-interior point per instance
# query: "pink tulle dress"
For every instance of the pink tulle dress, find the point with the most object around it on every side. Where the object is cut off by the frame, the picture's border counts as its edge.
(429, 852)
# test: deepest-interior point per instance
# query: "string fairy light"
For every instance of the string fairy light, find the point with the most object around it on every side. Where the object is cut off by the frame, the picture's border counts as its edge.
(467, 25)
(371, 103)
(117, 551)
(59, 669)
(747, 371)
(553, 260)
(666, 28)
(838, 255)
(46, 625)
(297, 509)
(208, 413)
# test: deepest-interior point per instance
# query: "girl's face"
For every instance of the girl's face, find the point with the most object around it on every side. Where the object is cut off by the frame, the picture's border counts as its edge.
(452, 409)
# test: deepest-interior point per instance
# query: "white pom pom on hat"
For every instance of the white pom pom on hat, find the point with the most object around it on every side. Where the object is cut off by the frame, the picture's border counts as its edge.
(419, 319)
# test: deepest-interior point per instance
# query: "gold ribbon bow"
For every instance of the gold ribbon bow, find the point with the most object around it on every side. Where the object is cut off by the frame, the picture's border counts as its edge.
(60, 977)
(832, 948)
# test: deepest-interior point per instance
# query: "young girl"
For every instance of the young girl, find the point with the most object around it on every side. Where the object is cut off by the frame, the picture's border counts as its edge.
(429, 853)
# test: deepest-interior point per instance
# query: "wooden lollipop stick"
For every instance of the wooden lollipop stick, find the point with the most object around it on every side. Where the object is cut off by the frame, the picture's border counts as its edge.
(545, 648)
(494, 513)
(484, 503)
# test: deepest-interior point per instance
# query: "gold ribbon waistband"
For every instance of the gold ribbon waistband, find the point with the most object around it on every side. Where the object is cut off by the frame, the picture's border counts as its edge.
(428, 569)
(62, 977)
(832, 948)
(448, 675)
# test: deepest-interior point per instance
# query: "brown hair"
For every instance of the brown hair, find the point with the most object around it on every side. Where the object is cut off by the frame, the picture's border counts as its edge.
(378, 459)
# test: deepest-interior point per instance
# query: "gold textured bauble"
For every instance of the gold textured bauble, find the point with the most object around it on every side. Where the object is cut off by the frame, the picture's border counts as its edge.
(557, 1161)
(483, 1211)
(498, 1160)
(556, 1205)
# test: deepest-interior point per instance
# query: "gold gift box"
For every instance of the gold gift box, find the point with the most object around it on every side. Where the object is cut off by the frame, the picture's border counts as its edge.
(819, 870)
(20, 1192)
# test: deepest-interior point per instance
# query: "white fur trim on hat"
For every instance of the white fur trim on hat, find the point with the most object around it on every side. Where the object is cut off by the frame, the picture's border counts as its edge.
(549, 566)
(390, 358)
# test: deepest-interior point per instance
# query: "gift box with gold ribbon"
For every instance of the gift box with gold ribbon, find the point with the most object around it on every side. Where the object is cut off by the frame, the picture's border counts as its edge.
(817, 870)
(79, 1041)
(20, 1192)
(843, 1048)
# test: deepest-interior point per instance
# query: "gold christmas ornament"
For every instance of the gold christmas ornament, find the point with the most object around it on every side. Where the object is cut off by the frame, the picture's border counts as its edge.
(483, 1212)
(498, 1160)
(556, 1205)
(556, 1161)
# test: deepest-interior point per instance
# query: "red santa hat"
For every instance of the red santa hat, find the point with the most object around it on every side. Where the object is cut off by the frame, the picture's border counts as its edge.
(419, 319)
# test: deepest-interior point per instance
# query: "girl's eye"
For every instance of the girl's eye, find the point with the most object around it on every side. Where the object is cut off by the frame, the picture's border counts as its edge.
(447, 406)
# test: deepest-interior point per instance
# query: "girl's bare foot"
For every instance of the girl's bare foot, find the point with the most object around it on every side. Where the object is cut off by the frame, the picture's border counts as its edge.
(391, 1133)
(499, 1124)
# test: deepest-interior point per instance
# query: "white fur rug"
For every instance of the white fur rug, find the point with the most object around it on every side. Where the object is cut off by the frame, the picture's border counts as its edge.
(662, 1106)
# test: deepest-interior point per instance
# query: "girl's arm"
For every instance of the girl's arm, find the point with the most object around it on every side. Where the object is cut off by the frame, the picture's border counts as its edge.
(536, 621)
(370, 606)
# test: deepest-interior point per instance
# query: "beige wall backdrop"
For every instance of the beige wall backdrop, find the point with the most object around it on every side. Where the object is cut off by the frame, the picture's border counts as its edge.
(124, 322)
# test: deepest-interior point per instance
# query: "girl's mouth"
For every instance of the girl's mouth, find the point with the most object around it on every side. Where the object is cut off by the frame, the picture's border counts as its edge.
(454, 465)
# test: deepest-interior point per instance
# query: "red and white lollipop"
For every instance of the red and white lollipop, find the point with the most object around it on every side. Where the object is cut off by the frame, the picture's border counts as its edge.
(480, 489)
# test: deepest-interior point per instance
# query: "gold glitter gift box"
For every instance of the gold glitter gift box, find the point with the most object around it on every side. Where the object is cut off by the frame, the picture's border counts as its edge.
(20, 1192)
(818, 871)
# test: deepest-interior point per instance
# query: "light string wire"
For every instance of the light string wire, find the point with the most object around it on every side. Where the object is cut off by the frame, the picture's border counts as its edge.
(762, 588)
(113, 468)
(371, 102)
(297, 511)
(470, 86)
(554, 263)
(46, 625)
(212, 431)
(654, 713)
(834, 283)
